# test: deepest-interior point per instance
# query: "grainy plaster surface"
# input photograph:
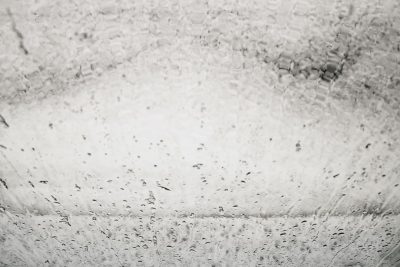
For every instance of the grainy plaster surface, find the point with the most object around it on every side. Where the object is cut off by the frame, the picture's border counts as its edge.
(200, 133)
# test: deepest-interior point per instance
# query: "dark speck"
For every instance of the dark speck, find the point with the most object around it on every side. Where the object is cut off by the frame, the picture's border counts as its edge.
(197, 166)
(298, 146)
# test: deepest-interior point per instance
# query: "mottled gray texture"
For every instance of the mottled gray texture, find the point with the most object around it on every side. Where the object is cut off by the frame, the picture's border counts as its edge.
(199, 133)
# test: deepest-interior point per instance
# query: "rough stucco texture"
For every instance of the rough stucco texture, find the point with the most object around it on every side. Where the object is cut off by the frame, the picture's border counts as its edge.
(200, 133)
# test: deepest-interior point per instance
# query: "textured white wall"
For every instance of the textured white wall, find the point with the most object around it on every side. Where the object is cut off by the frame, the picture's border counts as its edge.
(200, 118)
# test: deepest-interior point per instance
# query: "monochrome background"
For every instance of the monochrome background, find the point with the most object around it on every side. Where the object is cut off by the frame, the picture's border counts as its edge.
(200, 133)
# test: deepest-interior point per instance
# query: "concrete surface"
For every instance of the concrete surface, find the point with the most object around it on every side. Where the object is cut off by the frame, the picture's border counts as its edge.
(200, 133)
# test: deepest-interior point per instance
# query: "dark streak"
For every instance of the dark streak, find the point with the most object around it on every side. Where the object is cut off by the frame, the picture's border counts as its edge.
(163, 187)
(65, 220)
(4, 183)
(17, 32)
(4, 147)
(4, 122)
